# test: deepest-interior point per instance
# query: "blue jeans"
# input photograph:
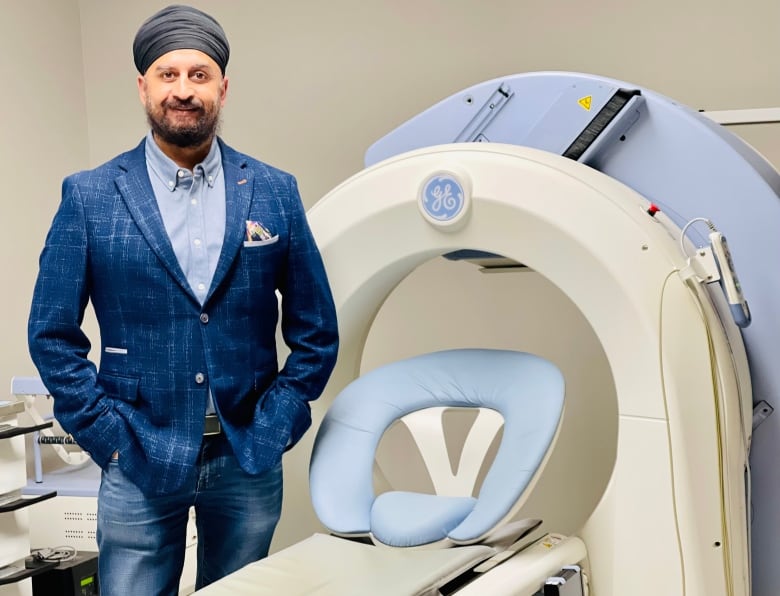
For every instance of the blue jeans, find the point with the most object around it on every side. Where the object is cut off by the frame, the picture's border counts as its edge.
(141, 540)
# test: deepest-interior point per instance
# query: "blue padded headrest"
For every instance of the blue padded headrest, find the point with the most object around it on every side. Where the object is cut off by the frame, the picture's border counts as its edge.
(525, 389)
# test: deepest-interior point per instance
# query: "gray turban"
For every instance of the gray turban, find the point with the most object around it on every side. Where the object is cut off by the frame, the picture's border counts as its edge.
(179, 27)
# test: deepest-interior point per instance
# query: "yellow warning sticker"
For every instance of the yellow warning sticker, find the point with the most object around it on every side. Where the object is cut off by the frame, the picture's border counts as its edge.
(586, 101)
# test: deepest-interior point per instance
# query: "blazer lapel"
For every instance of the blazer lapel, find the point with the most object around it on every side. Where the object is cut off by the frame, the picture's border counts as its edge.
(238, 198)
(137, 192)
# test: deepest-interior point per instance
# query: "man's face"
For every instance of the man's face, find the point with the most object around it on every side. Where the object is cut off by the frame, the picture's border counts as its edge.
(183, 92)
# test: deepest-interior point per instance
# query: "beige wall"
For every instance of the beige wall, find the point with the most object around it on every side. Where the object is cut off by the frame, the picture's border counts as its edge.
(44, 123)
(315, 83)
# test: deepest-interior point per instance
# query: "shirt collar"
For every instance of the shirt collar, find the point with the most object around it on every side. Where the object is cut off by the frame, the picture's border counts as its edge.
(171, 174)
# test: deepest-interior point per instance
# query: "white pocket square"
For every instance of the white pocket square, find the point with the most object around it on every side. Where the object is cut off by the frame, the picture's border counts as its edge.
(252, 243)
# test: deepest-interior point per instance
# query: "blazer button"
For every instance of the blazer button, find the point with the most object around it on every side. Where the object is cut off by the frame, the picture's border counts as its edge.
(204, 318)
(199, 378)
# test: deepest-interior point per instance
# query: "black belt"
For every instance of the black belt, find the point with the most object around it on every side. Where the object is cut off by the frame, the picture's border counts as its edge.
(212, 426)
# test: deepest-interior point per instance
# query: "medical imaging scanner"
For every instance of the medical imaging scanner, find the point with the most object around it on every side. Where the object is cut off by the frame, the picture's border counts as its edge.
(616, 440)
(621, 199)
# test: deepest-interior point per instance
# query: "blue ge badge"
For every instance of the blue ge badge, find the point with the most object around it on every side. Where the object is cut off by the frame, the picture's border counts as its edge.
(444, 199)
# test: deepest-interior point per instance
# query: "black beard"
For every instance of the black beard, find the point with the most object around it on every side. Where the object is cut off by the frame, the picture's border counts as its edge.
(204, 128)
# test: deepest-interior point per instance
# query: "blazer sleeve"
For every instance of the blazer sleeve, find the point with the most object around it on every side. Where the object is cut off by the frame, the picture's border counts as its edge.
(308, 315)
(58, 346)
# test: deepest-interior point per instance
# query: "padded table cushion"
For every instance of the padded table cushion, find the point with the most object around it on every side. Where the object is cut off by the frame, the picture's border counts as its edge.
(325, 565)
(400, 518)
(526, 390)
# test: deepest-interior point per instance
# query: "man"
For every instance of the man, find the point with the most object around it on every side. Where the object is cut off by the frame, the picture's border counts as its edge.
(182, 244)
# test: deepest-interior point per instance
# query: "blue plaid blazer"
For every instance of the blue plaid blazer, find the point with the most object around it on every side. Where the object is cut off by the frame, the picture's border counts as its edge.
(160, 349)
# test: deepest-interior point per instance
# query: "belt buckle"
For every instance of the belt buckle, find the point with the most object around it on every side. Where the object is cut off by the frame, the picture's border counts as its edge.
(212, 426)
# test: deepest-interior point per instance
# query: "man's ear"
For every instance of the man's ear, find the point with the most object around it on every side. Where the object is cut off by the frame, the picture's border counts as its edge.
(141, 82)
(224, 91)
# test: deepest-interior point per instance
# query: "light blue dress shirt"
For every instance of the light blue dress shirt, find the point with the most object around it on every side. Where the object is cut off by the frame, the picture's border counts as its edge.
(192, 205)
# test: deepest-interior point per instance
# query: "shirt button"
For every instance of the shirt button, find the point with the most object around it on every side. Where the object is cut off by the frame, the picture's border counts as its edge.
(201, 287)
(199, 378)
(196, 242)
(204, 318)
(180, 173)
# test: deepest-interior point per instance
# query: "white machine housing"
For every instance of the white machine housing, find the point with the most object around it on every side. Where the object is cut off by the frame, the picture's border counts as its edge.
(667, 514)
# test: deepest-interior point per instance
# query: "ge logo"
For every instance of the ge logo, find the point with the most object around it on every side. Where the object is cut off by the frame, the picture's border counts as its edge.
(442, 198)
